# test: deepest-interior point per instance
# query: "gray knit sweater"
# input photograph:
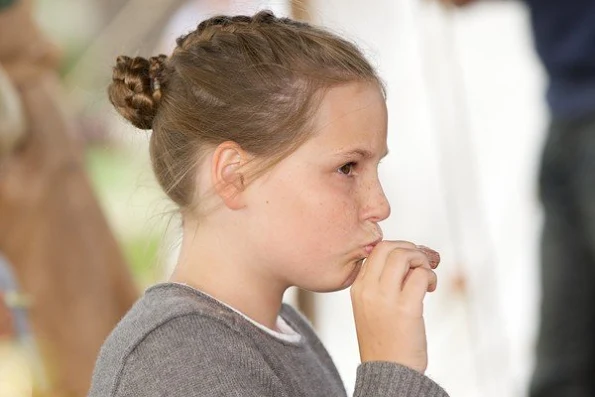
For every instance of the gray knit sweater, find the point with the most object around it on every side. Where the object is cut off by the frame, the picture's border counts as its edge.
(177, 341)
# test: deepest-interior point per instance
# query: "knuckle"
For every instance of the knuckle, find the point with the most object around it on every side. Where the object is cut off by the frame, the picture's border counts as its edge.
(406, 244)
(403, 256)
(397, 253)
(384, 244)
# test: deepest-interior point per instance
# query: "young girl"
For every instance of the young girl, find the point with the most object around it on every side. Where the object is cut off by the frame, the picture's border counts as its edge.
(267, 133)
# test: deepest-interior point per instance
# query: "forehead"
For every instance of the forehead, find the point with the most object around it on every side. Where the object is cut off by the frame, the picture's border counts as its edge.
(351, 116)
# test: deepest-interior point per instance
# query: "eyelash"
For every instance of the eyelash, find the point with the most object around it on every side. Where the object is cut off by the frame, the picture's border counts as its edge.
(351, 165)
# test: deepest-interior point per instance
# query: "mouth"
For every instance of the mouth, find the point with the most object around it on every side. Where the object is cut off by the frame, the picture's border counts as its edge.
(370, 246)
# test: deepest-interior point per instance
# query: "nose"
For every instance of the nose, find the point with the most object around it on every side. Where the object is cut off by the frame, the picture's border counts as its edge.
(376, 207)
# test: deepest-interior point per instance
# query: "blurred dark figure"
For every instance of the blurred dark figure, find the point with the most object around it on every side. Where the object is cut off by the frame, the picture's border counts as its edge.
(564, 34)
(52, 231)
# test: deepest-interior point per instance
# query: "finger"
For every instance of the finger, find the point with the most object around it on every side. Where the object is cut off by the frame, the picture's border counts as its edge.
(418, 283)
(398, 264)
(425, 266)
(372, 268)
(431, 288)
(433, 256)
(433, 284)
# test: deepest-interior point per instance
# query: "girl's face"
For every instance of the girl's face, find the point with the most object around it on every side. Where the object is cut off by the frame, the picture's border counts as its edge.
(313, 217)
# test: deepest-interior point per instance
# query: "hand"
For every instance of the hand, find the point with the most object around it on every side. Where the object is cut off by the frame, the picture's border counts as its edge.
(387, 299)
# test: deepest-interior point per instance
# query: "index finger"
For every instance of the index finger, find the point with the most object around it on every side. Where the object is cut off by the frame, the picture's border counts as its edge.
(373, 265)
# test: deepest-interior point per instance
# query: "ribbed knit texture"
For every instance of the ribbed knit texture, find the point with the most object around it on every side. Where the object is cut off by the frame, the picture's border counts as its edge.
(176, 341)
(380, 378)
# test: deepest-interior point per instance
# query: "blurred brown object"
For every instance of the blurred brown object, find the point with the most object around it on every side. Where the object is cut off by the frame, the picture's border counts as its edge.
(458, 3)
(51, 227)
(6, 322)
(12, 118)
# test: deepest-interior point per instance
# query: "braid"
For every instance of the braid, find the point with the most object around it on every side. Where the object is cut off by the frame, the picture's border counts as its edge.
(156, 74)
(135, 90)
(265, 18)
(209, 27)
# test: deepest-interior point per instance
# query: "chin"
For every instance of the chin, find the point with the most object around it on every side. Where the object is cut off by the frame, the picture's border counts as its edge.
(336, 281)
(347, 280)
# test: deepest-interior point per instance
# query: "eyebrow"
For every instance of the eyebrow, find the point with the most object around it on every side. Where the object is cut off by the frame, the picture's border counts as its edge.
(366, 154)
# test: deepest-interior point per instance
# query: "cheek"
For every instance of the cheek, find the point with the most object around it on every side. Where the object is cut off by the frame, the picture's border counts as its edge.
(312, 215)
(326, 221)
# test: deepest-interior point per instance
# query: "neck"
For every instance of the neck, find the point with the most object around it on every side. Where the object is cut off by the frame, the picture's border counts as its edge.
(220, 268)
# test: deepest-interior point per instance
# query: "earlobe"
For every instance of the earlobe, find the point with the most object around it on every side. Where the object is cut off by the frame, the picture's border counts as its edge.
(227, 176)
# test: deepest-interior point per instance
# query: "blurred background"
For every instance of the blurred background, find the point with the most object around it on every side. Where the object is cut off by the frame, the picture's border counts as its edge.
(467, 121)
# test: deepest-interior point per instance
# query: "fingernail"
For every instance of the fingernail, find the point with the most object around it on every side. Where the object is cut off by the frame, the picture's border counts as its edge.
(433, 256)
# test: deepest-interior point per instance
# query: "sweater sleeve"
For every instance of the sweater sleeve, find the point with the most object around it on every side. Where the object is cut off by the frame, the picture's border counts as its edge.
(386, 379)
(189, 357)
(376, 378)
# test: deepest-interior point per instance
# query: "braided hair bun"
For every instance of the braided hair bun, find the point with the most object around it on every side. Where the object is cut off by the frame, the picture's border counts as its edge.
(136, 87)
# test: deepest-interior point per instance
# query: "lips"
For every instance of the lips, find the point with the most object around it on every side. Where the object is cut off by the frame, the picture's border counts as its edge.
(433, 256)
(369, 247)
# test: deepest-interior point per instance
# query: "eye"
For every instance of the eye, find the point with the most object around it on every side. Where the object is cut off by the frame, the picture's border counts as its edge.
(347, 169)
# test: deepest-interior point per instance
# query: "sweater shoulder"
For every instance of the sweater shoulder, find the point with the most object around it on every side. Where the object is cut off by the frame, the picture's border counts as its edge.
(166, 315)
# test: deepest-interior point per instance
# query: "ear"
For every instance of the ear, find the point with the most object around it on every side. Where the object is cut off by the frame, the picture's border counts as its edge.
(226, 173)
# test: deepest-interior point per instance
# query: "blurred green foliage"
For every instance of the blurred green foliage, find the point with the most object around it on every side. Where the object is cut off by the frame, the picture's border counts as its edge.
(115, 178)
